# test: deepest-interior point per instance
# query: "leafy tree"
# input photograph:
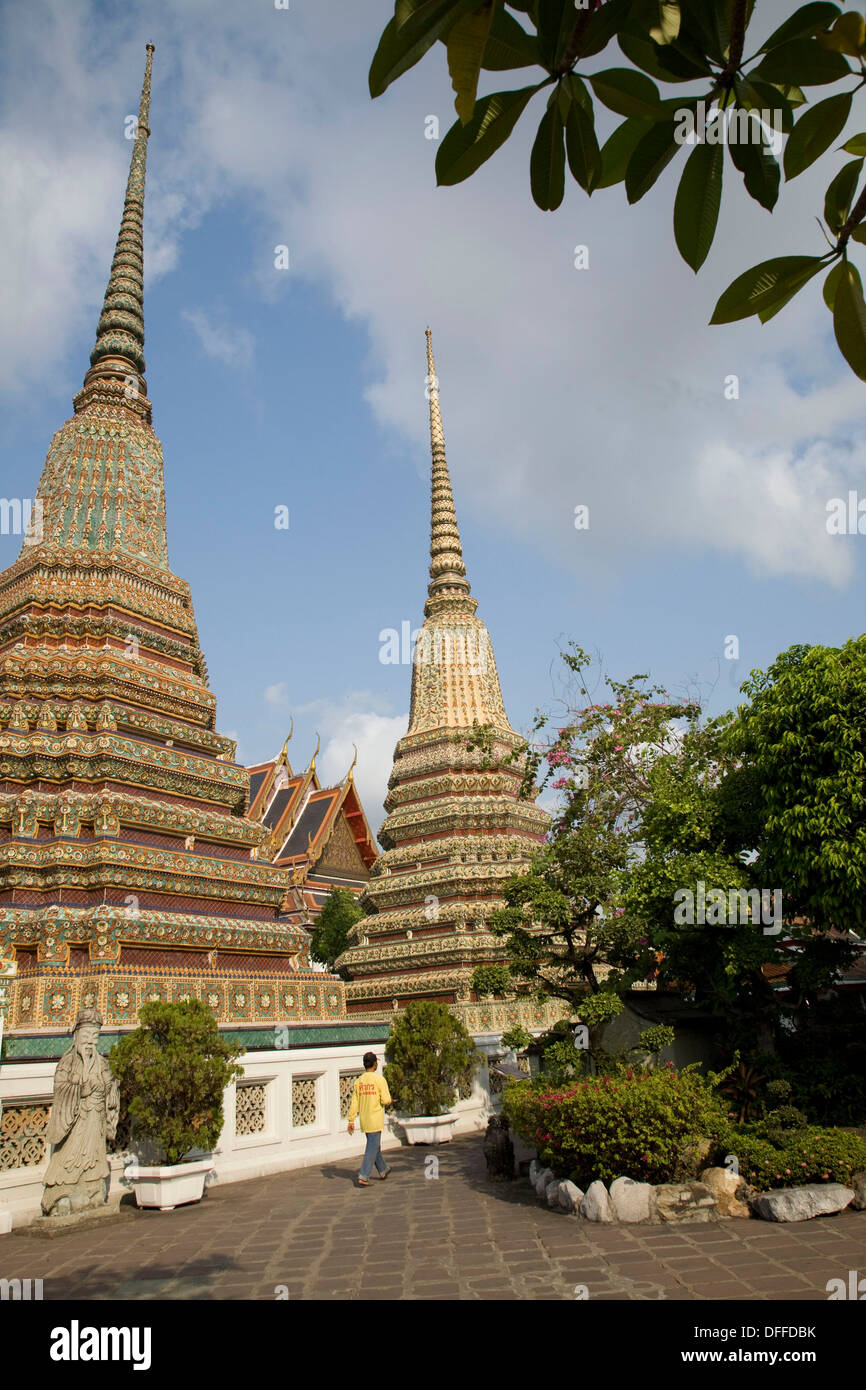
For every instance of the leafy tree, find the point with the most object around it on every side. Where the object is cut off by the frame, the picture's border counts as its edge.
(172, 1072)
(749, 104)
(331, 931)
(564, 928)
(492, 979)
(429, 1055)
(659, 806)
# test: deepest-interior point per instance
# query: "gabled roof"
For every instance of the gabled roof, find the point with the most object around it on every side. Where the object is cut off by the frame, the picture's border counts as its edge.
(302, 816)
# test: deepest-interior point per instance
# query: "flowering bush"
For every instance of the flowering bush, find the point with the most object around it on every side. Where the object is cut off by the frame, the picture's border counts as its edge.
(810, 1155)
(643, 1124)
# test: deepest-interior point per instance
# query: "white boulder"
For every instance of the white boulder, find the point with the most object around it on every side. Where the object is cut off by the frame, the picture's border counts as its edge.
(596, 1203)
(802, 1203)
(631, 1201)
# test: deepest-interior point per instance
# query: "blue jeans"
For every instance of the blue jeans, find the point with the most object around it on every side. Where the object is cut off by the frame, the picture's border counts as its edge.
(373, 1154)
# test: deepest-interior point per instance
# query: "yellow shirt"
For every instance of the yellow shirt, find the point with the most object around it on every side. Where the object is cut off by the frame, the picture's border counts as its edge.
(369, 1095)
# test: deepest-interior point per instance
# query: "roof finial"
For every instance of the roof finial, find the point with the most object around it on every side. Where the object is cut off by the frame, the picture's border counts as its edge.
(283, 755)
(119, 349)
(447, 571)
(350, 773)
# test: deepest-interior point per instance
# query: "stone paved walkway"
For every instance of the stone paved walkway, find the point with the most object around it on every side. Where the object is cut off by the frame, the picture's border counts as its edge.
(412, 1237)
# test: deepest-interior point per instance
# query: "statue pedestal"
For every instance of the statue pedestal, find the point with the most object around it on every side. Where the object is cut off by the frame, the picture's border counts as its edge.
(49, 1226)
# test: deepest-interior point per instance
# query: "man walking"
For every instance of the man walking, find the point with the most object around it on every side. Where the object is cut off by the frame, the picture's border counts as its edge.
(369, 1097)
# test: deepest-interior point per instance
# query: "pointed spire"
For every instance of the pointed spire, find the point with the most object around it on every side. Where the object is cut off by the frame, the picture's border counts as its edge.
(448, 580)
(119, 349)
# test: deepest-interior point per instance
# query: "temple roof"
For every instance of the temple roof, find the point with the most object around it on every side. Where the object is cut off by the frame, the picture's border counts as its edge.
(306, 819)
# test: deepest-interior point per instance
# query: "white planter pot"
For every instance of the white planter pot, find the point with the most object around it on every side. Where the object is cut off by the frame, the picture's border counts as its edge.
(429, 1129)
(171, 1185)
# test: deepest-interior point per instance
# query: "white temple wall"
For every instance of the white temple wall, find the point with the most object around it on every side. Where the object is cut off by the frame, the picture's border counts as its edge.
(288, 1112)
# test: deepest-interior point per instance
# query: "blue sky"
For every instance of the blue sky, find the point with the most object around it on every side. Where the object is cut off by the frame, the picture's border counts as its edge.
(305, 387)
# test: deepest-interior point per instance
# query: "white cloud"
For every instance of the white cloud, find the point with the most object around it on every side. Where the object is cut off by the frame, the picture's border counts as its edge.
(361, 719)
(277, 696)
(232, 346)
(559, 386)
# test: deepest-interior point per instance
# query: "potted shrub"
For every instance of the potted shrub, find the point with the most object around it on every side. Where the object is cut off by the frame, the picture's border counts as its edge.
(172, 1073)
(429, 1054)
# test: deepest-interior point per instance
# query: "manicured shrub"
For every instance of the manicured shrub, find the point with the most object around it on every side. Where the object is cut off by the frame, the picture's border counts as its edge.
(492, 979)
(643, 1124)
(429, 1055)
(808, 1155)
(172, 1072)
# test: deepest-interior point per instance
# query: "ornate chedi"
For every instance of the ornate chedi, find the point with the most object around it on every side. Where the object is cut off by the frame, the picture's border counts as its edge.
(456, 827)
(320, 834)
(129, 870)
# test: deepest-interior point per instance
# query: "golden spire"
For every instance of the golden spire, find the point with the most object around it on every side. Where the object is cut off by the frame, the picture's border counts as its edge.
(283, 755)
(119, 349)
(350, 773)
(448, 580)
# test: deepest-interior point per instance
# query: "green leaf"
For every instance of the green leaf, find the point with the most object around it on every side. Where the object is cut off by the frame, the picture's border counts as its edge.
(856, 145)
(859, 233)
(651, 156)
(509, 45)
(618, 150)
(625, 91)
(761, 173)
(603, 25)
(814, 132)
(556, 20)
(696, 208)
(668, 26)
(804, 62)
(849, 320)
(840, 195)
(761, 286)
(402, 46)
(666, 64)
(575, 90)
(466, 147)
(847, 35)
(547, 162)
(465, 44)
(581, 146)
(831, 284)
(808, 20)
(762, 96)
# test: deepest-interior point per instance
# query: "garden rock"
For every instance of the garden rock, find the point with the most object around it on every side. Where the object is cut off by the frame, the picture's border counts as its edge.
(802, 1203)
(552, 1194)
(570, 1196)
(596, 1203)
(534, 1170)
(729, 1190)
(632, 1201)
(543, 1181)
(858, 1182)
(685, 1201)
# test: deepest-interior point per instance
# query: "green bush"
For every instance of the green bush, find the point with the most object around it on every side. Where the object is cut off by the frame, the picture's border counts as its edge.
(516, 1039)
(172, 1072)
(643, 1124)
(809, 1155)
(429, 1055)
(492, 979)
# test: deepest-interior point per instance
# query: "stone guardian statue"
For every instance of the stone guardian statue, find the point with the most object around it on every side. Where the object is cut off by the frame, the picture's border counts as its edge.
(84, 1115)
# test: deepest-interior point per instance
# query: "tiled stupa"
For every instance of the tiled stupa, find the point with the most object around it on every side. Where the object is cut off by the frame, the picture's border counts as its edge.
(455, 829)
(128, 868)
